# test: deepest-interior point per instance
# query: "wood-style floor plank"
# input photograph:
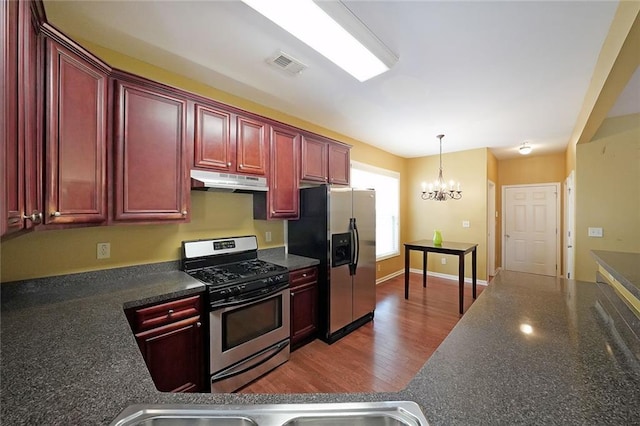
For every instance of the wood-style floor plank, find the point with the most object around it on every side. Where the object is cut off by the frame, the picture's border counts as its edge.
(381, 356)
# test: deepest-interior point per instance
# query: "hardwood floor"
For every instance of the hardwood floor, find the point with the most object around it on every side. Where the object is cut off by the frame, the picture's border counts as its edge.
(381, 356)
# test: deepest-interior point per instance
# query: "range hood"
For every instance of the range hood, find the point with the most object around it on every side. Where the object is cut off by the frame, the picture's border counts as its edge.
(227, 182)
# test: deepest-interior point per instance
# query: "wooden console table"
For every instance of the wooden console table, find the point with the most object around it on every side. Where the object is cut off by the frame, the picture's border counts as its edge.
(458, 249)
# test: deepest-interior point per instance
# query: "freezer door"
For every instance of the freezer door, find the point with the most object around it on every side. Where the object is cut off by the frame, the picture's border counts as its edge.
(340, 282)
(364, 281)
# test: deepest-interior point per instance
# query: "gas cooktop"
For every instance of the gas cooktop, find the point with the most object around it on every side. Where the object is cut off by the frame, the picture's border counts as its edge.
(237, 272)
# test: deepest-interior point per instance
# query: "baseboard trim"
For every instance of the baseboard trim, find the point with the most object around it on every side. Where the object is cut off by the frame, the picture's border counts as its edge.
(388, 277)
(446, 276)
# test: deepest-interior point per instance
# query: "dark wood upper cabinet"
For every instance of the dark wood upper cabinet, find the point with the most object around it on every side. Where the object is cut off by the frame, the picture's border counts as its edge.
(314, 164)
(251, 146)
(76, 138)
(150, 154)
(284, 198)
(20, 129)
(339, 164)
(212, 147)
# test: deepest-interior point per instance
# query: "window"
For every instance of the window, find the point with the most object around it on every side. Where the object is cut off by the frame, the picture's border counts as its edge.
(387, 186)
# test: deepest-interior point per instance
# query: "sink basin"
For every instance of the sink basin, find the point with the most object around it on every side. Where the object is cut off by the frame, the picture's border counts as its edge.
(385, 413)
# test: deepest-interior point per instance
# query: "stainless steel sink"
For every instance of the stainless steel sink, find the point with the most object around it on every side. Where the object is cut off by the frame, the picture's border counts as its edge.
(386, 413)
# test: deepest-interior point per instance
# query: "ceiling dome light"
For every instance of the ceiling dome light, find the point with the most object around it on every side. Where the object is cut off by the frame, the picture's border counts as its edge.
(525, 148)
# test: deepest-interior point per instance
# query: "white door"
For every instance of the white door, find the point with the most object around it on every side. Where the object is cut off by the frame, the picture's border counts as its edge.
(530, 230)
(491, 228)
(569, 226)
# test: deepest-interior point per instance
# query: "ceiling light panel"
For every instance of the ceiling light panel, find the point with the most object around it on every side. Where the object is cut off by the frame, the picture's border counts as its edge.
(312, 25)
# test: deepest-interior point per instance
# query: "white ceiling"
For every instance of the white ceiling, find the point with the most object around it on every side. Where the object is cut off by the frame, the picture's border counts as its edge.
(485, 73)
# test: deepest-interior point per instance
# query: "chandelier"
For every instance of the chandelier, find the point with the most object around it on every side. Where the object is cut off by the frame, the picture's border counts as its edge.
(438, 190)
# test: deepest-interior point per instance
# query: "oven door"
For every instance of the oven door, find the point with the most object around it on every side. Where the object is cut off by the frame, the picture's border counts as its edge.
(246, 329)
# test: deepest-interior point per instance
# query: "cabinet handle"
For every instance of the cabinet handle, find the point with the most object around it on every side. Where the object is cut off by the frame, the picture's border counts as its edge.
(184, 212)
(55, 214)
(198, 324)
(170, 312)
(35, 217)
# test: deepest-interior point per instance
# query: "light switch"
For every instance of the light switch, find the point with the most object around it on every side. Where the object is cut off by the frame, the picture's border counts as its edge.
(465, 223)
(595, 232)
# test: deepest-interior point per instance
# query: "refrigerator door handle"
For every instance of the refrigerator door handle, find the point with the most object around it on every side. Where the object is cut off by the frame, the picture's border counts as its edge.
(355, 246)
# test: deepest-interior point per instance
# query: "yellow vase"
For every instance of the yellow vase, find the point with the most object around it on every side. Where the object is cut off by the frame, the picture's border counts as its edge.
(437, 238)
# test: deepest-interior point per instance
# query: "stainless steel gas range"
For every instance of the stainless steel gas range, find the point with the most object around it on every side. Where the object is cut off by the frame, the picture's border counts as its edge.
(249, 312)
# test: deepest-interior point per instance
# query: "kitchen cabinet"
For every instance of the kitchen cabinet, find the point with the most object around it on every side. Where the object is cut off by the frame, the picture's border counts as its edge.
(170, 337)
(21, 88)
(304, 305)
(339, 164)
(151, 180)
(315, 156)
(212, 147)
(324, 161)
(282, 201)
(76, 136)
(251, 146)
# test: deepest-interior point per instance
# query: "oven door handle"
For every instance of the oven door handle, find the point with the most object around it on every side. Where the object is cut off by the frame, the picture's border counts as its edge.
(250, 363)
(247, 300)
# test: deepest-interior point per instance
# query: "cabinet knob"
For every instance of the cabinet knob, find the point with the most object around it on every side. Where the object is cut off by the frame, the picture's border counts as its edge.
(229, 164)
(198, 324)
(170, 312)
(292, 294)
(304, 275)
(35, 217)
(241, 166)
(55, 214)
(184, 212)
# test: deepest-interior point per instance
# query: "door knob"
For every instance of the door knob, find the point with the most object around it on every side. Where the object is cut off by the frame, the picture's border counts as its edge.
(507, 235)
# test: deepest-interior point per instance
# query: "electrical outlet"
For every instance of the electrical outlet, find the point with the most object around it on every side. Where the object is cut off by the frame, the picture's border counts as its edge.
(267, 236)
(595, 232)
(443, 260)
(465, 223)
(104, 250)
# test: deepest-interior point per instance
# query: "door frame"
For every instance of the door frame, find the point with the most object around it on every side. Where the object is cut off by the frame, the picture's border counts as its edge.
(491, 228)
(556, 186)
(569, 231)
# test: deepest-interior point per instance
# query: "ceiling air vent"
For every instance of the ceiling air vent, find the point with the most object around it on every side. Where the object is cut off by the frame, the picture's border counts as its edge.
(287, 63)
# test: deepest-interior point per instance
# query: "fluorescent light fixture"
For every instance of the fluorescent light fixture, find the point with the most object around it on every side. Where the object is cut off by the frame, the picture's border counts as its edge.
(312, 24)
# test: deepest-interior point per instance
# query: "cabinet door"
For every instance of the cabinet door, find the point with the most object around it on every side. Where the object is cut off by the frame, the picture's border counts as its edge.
(304, 305)
(20, 128)
(76, 139)
(283, 193)
(212, 139)
(314, 160)
(150, 167)
(251, 146)
(339, 165)
(173, 355)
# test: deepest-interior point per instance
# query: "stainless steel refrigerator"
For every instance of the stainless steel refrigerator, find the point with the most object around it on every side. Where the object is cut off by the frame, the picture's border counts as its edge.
(337, 226)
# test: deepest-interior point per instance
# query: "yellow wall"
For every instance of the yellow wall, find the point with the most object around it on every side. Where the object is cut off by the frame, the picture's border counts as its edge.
(470, 169)
(74, 250)
(523, 171)
(608, 191)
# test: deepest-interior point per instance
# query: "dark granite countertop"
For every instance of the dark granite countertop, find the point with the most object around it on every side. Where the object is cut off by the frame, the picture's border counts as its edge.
(624, 267)
(278, 256)
(72, 359)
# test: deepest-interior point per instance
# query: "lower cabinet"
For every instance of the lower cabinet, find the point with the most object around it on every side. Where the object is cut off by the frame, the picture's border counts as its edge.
(170, 337)
(304, 305)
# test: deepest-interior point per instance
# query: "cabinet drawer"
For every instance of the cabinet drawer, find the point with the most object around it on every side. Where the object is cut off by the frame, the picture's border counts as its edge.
(303, 276)
(166, 313)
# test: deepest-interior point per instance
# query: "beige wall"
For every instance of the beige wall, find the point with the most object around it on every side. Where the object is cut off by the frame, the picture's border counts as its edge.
(608, 191)
(523, 171)
(470, 169)
(74, 250)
